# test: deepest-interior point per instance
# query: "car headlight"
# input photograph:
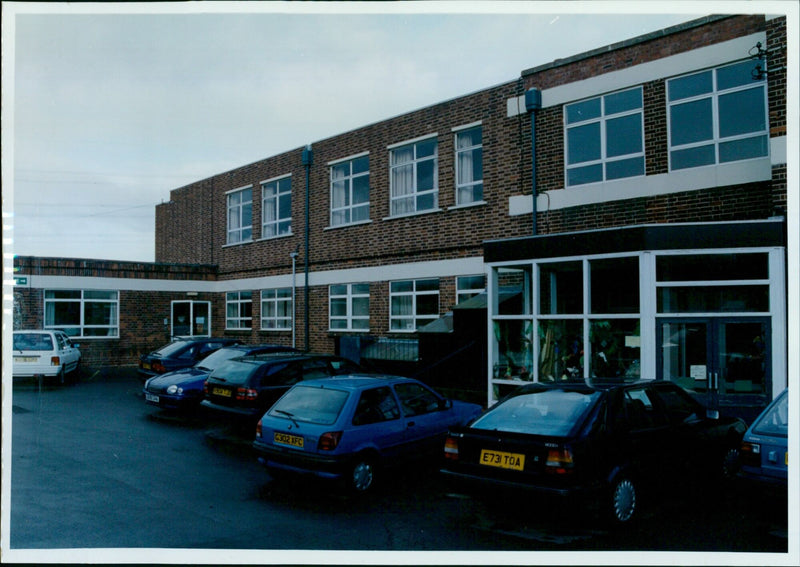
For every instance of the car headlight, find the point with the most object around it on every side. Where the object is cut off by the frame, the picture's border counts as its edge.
(174, 390)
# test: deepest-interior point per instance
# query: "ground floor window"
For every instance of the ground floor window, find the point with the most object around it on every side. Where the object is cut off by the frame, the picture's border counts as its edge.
(238, 310)
(276, 309)
(82, 313)
(349, 307)
(469, 286)
(191, 319)
(413, 303)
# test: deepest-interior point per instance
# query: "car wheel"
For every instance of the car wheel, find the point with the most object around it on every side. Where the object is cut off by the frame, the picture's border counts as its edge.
(362, 475)
(61, 376)
(622, 505)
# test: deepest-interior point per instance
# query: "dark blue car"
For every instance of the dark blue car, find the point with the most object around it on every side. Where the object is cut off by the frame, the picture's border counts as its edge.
(183, 389)
(765, 447)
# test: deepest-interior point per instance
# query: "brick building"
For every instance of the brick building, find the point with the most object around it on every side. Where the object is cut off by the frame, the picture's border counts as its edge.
(373, 240)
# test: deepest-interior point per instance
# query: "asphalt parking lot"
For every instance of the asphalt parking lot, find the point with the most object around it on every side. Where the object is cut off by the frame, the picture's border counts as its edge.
(94, 467)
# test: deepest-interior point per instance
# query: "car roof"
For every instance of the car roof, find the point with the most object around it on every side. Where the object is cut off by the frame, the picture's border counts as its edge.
(357, 381)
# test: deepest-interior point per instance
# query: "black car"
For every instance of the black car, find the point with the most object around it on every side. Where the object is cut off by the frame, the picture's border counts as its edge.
(603, 444)
(247, 386)
(183, 389)
(180, 353)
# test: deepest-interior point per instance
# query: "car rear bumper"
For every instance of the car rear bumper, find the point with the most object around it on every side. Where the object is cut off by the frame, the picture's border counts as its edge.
(474, 481)
(321, 466)
(245, 413)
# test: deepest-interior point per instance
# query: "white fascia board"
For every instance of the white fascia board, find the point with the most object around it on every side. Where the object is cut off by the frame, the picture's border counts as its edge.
(694, 179)
(664, 68)
(412, 270)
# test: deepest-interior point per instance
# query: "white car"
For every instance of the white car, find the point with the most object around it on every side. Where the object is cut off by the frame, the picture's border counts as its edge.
(44, 353)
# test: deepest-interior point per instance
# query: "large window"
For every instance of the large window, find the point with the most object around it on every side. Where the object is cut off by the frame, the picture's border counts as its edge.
(240, 216)
(82, 313)
(414, 177)
(414, 303)
(350, 191)
(605, 138)
(717, 116)
(238, 310)
(276, 309)
(349, 307)
(276, 207)
(469, 166)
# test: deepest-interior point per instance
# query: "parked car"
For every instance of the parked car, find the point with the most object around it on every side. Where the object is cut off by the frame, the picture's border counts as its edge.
(180, 353)
(351, 427)
(605, 444)
(46, 353)
(183, 389)
(765, 449)
(245, 387)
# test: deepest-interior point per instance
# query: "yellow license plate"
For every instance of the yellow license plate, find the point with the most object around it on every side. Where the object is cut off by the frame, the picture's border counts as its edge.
(286, 439)
(146, 365)
(221, 392)
(513, 461)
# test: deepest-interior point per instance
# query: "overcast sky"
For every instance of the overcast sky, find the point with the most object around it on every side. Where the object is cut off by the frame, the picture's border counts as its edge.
(112, 110)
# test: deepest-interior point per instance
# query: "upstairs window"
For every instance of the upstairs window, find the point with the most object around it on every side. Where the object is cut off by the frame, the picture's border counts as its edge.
(605, 138)
(469, 166)
(276, 207)
(717, 116)
(238, 310)
(240, 216)
(414, 177)
(350, 191)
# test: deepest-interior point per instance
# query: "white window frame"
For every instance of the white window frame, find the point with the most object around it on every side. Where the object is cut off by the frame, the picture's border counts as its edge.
(239, 299)
(79, 330)
(280, 301)
(414, 318)
(278, 226)
(714, 95)
(465, 293)
(348, 179)
(603, 161)
(236, 235)
(467, 185)
(415, 194)
(349, 318)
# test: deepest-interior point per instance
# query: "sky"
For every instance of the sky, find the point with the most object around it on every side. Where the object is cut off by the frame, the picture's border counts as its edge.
(108, 107)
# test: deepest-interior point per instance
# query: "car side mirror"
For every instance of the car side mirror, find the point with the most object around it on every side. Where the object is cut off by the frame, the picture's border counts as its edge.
(445, 404)
(712, 414)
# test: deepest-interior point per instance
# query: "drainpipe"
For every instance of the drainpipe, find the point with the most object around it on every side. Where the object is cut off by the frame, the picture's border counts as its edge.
(308, 159)
(533, 102)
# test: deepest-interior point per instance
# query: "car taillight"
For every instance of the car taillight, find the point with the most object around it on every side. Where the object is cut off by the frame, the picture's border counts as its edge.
(159, 368)
(451, 449)
(329, 441)
(258, 428)
(750, 454)
(55, 361)
(246, 394)
(559, 461)
(206, 387)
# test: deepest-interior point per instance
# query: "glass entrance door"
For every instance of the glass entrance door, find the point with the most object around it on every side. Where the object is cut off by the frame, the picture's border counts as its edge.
(725, 362)
(191, 319)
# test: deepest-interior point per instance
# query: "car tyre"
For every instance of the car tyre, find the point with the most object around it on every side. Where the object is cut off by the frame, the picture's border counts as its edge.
(731, 462)
(362, 475)
(622, 505)
(61, 376)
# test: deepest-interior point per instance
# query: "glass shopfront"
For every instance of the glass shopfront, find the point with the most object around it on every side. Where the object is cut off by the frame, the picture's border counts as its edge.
(712, 320)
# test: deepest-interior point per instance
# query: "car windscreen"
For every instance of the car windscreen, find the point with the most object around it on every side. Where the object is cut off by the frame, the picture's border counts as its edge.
(235, 372)
(33, 341)
(171, 348)
(312, 405)
(776, 420)
(539, 412)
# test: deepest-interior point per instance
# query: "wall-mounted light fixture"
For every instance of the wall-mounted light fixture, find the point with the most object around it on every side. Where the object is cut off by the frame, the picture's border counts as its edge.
(760, 71)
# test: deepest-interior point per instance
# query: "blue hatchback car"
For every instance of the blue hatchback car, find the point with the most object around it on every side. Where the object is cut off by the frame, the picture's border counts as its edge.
(764, 452)
(183, 389)
(351, 427)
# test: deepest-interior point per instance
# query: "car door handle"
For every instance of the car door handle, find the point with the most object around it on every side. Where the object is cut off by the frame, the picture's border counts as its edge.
(410, 424)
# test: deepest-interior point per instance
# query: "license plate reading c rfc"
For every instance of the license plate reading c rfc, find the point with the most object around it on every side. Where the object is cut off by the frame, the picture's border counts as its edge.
(513, 461)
